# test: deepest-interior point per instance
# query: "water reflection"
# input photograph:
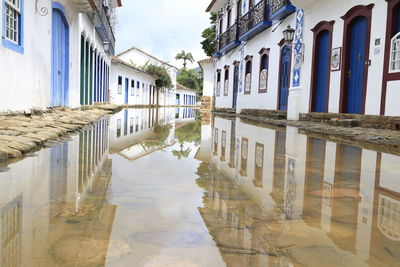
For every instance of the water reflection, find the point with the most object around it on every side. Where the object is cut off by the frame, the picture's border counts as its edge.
(148, 187)
(314, 199)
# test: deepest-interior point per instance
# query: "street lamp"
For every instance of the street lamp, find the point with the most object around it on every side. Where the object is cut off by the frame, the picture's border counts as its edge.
(288, 34)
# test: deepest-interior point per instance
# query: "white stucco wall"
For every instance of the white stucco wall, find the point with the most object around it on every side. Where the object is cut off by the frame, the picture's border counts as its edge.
(182, 93)
(139, 58)
(140, 94)
(29, 74)
(299, 97)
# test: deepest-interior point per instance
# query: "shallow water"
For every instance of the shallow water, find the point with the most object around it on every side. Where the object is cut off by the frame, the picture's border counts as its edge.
(159, 188)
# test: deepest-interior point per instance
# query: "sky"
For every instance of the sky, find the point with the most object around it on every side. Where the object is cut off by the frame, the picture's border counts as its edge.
(163, 28)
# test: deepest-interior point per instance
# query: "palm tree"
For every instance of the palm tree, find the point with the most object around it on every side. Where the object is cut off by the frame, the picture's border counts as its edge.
(185, 57)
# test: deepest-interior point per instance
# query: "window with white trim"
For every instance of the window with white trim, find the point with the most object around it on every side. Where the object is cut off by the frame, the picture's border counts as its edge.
(395, 54)
(12, 13)
(248, 72)
(263, 84)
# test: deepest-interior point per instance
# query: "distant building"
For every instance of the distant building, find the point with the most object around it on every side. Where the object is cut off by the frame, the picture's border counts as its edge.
(130, 85)
(55, 53)
(337, 56)
(166, 96)
(185, 96)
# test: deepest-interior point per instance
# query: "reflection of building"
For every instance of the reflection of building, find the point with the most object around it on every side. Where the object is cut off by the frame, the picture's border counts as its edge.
(138, 132)
(39, 196)
(185, 115)
(341, 195)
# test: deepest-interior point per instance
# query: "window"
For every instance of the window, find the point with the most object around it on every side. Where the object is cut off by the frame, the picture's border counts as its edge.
(138, 84)
(137, 124)
(229, 18)
(395, 54)
(248, 71)
(226, 81)
(132, 87)
(218, 82)
(221, 25)
(12, 25)
(263, 82)
(118, 128)
(119, 84)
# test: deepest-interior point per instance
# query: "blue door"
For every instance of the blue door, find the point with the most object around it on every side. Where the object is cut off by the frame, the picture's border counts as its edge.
(126, 90)
(321, 72)
(235, 86)
(284, 78)
(356, 66)
(60, 58)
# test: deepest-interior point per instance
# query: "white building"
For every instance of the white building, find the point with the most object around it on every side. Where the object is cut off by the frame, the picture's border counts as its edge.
(53, 52)
(130, 85)
(140, 58)
(185, 96)
(343, 57)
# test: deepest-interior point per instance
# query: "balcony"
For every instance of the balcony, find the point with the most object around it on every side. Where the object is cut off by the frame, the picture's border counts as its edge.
(101, 21)
(280, 9)
(254, 21)
(229, 40)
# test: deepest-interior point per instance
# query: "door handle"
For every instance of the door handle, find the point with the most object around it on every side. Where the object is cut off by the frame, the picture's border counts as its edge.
(349, 73)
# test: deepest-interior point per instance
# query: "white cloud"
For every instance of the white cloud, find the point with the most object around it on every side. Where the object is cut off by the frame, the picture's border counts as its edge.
(163, 27)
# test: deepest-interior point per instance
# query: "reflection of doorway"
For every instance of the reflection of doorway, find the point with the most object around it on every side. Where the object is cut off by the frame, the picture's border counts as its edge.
(314, 181)
(278, 183)
(345, 209)
(58, 177)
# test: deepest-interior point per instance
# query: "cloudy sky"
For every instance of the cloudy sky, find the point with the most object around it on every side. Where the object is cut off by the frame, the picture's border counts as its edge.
(163, 27)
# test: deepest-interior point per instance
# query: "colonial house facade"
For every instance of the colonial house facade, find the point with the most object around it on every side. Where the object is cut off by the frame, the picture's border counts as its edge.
(308, 56)
(185, 96)
(55, 53)
(162, 96)
(130, 85)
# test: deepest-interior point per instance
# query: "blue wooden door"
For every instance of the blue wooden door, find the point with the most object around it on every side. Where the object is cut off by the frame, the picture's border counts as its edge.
(284, 78)
(235, 86)
(356, 66)
(126, 90)
(60, 59)
(322, 72)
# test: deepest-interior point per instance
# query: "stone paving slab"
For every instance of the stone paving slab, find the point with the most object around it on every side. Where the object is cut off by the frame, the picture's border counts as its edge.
(21, 134)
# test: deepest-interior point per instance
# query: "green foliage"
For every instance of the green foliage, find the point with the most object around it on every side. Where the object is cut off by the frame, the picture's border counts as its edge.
(191, 79)
(159, 71)
(190, 133)
(159, 139)
(209, 36)
(185, 57)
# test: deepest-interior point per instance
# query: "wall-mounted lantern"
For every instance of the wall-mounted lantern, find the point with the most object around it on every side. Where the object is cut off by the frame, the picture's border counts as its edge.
(288, 34)
(106, 46)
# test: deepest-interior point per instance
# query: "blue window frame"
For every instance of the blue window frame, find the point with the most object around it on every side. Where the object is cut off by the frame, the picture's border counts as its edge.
(13, 25)
(138, 84)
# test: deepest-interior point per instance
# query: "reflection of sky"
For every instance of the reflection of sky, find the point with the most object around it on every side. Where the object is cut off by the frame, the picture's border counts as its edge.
(163, 27)
(158, 194)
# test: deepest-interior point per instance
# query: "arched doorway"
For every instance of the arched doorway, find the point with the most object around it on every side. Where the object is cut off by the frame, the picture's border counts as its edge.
(357, 26)
(284, 77)
(60, 56)
(321, 66)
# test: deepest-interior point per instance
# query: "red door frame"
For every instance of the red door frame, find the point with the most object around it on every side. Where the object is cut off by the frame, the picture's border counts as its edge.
(322, 26)
(389, 34)
(357, 11)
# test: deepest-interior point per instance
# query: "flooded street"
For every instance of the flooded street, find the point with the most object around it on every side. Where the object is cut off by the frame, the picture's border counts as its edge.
(160, 187)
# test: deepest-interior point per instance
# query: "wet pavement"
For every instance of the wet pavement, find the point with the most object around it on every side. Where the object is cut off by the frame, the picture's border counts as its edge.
(159, 187)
